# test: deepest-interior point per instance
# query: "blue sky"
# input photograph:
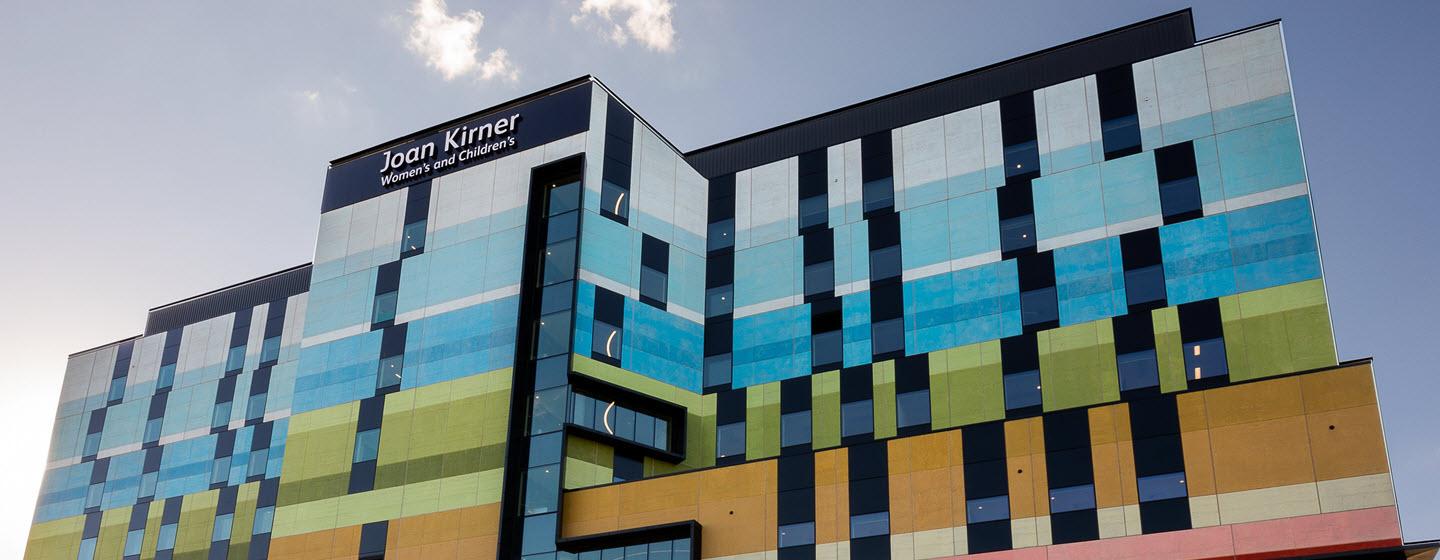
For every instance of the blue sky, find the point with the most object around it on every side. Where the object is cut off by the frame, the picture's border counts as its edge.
(153, 151)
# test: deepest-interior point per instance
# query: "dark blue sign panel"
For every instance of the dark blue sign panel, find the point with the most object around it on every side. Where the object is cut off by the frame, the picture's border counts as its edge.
(470, 142)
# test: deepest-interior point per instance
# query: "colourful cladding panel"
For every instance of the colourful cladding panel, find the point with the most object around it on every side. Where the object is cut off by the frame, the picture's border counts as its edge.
(1090, 281)
(1243, 250)
(962, 307)
(772, 346)
(762, 421)
(662, 346)
(1277, 330)
(825, 409)
(1077, 365)
(966, 385)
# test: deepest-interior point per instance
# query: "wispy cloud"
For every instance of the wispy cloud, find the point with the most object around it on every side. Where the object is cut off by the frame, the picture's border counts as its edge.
(645, 21)
(448, 43)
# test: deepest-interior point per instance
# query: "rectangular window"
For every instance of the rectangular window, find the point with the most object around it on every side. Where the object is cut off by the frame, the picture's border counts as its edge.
(258, 458)
(1017, 233)
(1162, 486)
(93, 495)
(390, 371)
(878, 194)
(1145, 284)
(542, 489)
(1175, 169)
(869, 525)
(1206, 358)
(220, 415)
(414, 237)
(826, 349)
(719, 301)
(166, 539)
(385, 307)
(1022, 390)
(653, 286)
(270, 350)
(730, 440)
(887, 336)
(548, 412)
(538, 534)
(117, 389)
(152, 429)
(857, 418)
(1072, 498)
(560, 262)
(166, 377)
(819, 278)
(987, 509)
(613, 201)
(717, 370)
(885, 262)
(87, 549)
(720, 235)
(1039, 306)
(912, 408)
(147, 483)
(814, 212)
(92, 444)
(367, 446)
(220, 470)
(552, 336)
(606, 341)
(564, 198)
(223, 525)
(264, 520)
(255, 406)
(654, 271)
(1119, 123)
(799, 534)
(236, 361)
(795, 428)
(133, 540)
(1138, 370)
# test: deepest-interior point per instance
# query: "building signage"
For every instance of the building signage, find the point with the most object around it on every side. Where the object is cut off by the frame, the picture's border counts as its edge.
(530, 123)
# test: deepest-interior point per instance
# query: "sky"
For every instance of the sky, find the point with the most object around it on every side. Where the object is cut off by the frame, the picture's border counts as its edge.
(153, 151)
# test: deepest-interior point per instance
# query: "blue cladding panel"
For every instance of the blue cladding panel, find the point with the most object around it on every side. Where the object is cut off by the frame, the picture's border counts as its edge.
(852, 253)
(687, 280)
(974, 225)
(1274, 244)
(1261, 157)
(1131, 189)
(662, 346)
(1197, 259)
(607, 249)
(1254, 112)
(924, 234)
(1068, 202)
(584, 317)
(340, 302)
(1090, 281)
(340, 371)
(855, 332)
(767, 272)
(772, 346)
(970, 305)
(458, 343)
(1207, 170)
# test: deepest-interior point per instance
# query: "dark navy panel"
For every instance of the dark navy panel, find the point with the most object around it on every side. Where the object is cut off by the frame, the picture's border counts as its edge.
(225, 301)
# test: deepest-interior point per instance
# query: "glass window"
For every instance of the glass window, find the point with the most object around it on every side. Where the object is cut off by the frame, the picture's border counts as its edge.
(661, 551)
(560, 261)
(539, 534)
(414, 236)
(644, 429)
(717, 370)
(819, 278)
(390, 371)
(87, 549)
(885, 262)
(117, 389)
(662, 434)
(367, 445)
(721, 235)
(133, 540)
(1022, 389)
(1138, 370)
(552, 335)
(92, 444)
(565, 198)
(258, 458)
(552, 372)
(166, 377)
(814, 211)
(878, 194)
(987, 509)
(652, 284)
(223, 525)
(1206, 358)
(255, 407)
(826, 349)
(798, 534)
(719, 301)
(220, 470)
(857, 418)
(166, 539)
(236, 359)
(1145, 284)
(549, 411)
(220, 415)
(562, 226)
(624, 427)
(614, 201)
(556, 298)
(730, 440)
(1022, 158)
(1162, 486)
(545, 449)
(1180, 197)
(264, 519)
(152, 429)
(582, 411)
(1038, 306)
(869, 525)
(147, 483)
(1072, 498)
(912, 408)
(270, 349)
(888, 336)
(680, 549)
(542, 489)
(1120, 134)
(606, 340)
(1017, 233)
(385, 307)
(93, 495)
(795, 428)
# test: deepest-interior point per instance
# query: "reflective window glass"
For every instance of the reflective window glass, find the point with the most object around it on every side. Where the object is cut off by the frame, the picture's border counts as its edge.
(720, 235)
(220, 470)
(539, 534)
(795, 428)
(152, 429)
(166, 377)
(542, 489)
(414, 236)
(236, 359)
(869, 525)
(799, 534)
(87, 549)
(614, 200)
(562, 226)
(1138, 370)
(545, 449)
(857, 418)
(258, 458)
(887, 336)
(549, 411)
(1180, 197)
(557, 298)
(645, 429)
(220, 415)
(814, 211)
(93, 495)
(1022, 389)
(1017, 233)
(165, 540)
(367, 445)
(564, 198)
(653, 284)
(826, 349)
(1039, 306)
(552, 334)
(730, 440)
(147, 483)
(1206, 358)
(92, 444)
(385, 307)
(255, 406)
(223, 525)
(1145, 284)
(717, 370)
(560, 261)
(264, 520)
(662, 434)
(719, 301)
(1072, 498)
(1162, 486)
(606, 340)
(552, 372)
(987, 509)
(1022, 158)
(885, 263)
(117, 389)
(133, 540)
(270, 349)
(912, 408)
(878, 194)
(819, 278)
(390, 371)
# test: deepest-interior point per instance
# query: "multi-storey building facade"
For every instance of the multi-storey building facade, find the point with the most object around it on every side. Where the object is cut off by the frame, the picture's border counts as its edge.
(1069, 305)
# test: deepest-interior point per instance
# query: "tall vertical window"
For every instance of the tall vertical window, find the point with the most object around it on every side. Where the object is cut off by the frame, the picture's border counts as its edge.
(857, 405)
(1179, 183)
(719, 284)
(390, 371)
(1159, 464)
(1119, 123)
(387, 295)
(224, 452)
(239, 334)
(826, 343)
(224, 398)
(654, 271)
(168, 359)
(1144, 270)
(366, 448)
(987, 505)
(1020, 367)
(877, 173)
(1039, 307)
(615, 175)
(1135, 358)
(1203, 341)
(730, 427)
(1018, 134)
(607, 334)
(417, 210)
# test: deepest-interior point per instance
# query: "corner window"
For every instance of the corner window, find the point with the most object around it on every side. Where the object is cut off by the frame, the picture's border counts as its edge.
(560, 261)
(542, 489)
(552, 336)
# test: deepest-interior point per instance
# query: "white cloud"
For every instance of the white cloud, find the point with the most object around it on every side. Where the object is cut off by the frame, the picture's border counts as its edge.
(648, 21)
(311, 95)
(448, 43)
